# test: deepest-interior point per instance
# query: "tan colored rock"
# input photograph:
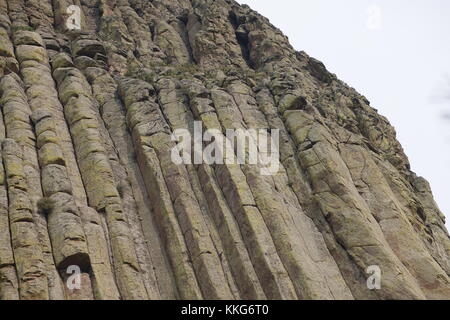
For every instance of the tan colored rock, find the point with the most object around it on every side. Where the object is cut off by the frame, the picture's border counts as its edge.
(104, 286)
(170, 41)
(201, 249)
(98, 179)
(87, 179)
(19, 127)
(394, 223)
(8, 277)
(137, 204)
(28, 38)
(27, 250)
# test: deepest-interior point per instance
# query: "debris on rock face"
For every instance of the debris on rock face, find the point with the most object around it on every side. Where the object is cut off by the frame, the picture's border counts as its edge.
(88, 181)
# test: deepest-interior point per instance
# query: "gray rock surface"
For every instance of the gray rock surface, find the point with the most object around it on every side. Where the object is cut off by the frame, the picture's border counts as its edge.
(87, 179)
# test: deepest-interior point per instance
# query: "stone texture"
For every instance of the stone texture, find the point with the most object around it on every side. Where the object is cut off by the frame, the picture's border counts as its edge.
(86, 125)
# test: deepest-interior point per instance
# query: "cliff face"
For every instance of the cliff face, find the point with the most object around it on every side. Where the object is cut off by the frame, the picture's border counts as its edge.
(87, 179)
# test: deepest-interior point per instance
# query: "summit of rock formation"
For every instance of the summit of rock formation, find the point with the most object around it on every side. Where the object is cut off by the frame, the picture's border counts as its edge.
(88, 186)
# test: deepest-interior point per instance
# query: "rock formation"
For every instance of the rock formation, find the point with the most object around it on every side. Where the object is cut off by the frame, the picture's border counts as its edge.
(87, 178)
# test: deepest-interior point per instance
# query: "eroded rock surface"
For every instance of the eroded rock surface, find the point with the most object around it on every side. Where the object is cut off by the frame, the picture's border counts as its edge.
(87, 178)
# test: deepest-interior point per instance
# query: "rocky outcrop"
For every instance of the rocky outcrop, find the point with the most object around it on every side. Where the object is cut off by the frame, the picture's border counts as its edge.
(92, 205)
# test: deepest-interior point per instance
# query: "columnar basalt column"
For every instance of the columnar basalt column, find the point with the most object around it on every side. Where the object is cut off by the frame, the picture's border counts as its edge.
(141, 113)
(27, 250)
(98, 178)
(8, 276)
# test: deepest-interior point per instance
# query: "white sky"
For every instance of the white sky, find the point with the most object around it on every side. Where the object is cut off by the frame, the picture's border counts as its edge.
(397, 54)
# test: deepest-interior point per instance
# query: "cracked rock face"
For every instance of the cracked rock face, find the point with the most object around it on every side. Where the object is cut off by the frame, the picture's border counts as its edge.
(88, 188)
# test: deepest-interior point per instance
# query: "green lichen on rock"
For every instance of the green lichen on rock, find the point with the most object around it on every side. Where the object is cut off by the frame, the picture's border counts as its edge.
(86, 176)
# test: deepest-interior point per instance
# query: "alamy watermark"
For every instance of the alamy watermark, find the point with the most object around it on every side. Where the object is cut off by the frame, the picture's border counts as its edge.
(236, 146)
(374, 280)
(73, 22)
(74, 280)
(374, 18)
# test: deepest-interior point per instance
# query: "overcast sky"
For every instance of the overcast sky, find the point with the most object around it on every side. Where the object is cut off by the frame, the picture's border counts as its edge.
(397, 54)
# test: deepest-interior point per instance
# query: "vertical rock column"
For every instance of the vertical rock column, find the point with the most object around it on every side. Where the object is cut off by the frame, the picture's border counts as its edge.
(37, 77)
(8, 63)
(165, 216)
(56, 181)
(171, 102)
(151, 132)
(8, 276)
(398, 232)
(18, 125)
(64, 225)
(103, 281)
(25, 243)
(90, 51)
(217, 214)
(347, 213)
(137, 203)
(98, 178)
(291, 230)
(435, 219)
(353, 276)
(64, 222)
(230, 178)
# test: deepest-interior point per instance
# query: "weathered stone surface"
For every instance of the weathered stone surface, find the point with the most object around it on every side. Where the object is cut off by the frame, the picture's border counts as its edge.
(136, 201)
(104, 286)
(98, 178)
(87, 179)
(28, 37)
(28, 257)
(8, 276)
